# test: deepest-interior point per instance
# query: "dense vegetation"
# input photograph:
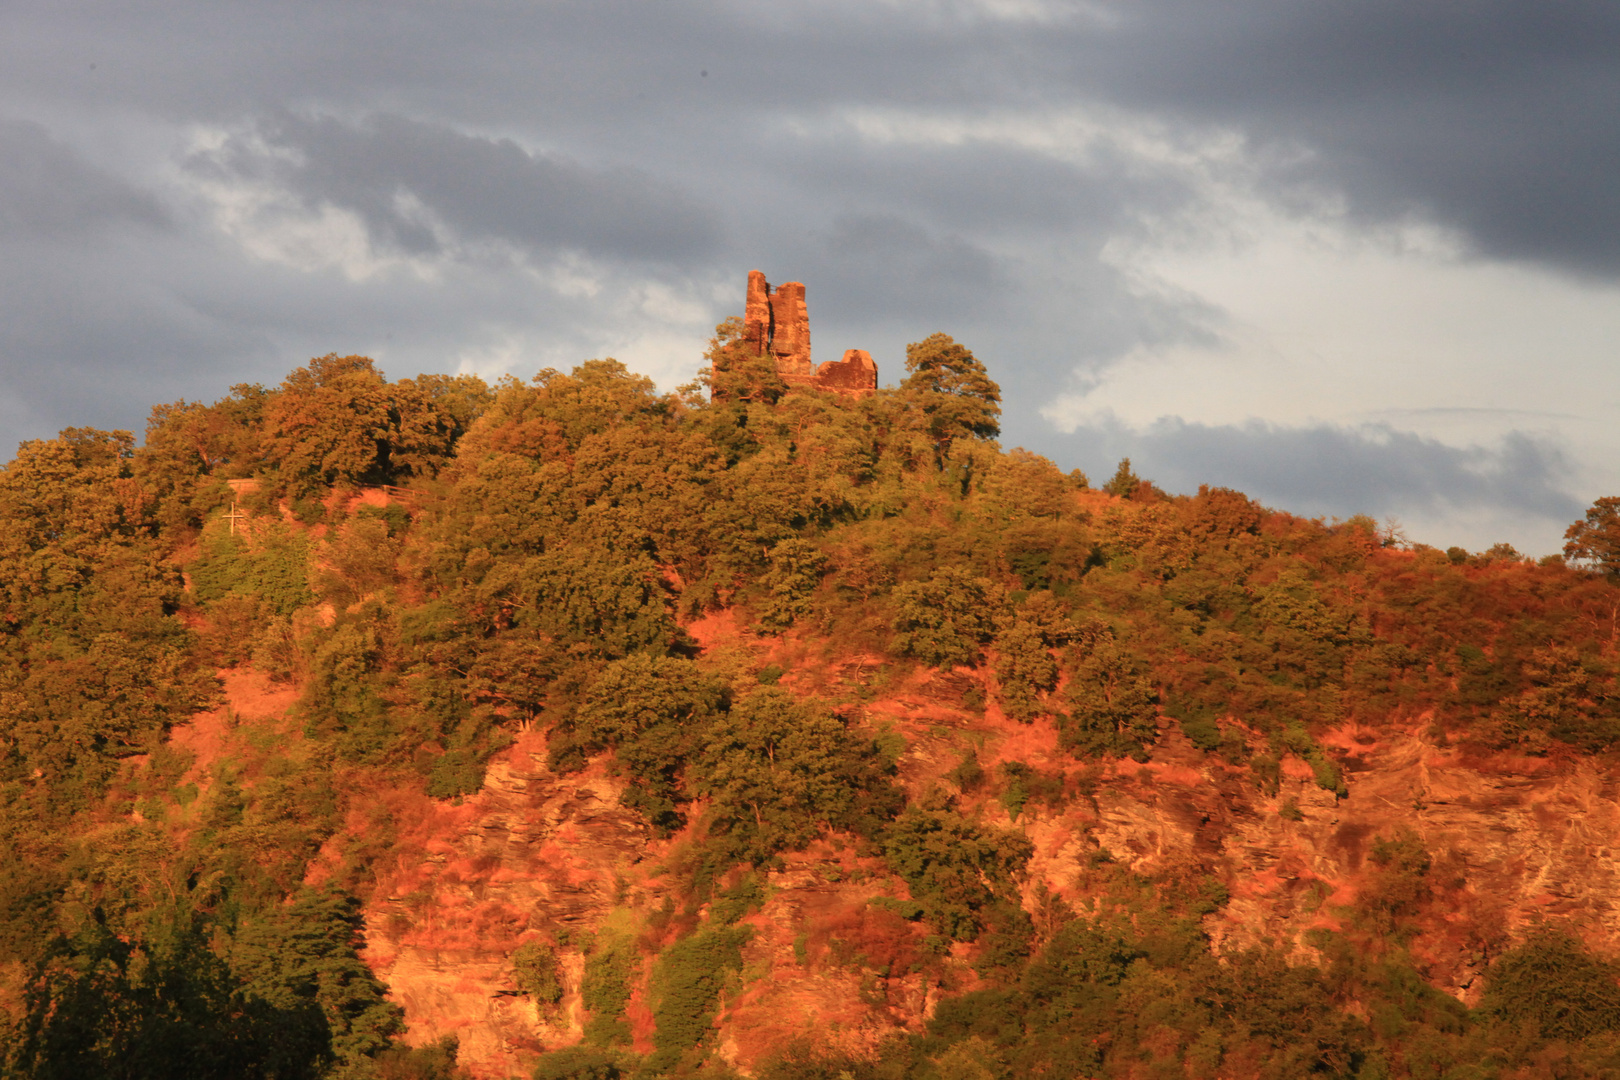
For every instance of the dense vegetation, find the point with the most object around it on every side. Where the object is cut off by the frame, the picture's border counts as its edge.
(542, 546)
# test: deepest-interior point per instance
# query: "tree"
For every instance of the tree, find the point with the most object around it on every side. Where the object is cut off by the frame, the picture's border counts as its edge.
(955, 868)
(1124, 481)
(1113, 702)
(796, 567)
(190, 446)
(944, 620)
(160, 1004)
(327, 424)
(1555, 983)
(537, 973)
(650, 710)
(955, 394)
(427, 416)
(307, 953)
(737, 374)
(779, 772)
(1596, 538)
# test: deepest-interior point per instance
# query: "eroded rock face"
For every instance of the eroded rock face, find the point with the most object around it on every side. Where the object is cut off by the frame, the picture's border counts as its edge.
(548, 857)
(534, 856)
(777, 322)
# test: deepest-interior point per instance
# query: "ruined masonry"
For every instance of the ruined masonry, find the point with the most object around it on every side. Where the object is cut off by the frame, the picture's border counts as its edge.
(777, 322)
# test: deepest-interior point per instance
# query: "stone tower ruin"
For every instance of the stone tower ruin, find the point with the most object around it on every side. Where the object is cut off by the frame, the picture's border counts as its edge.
(778, 323)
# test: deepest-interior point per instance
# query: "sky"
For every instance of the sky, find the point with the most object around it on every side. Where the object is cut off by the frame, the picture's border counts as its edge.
(1348, 258)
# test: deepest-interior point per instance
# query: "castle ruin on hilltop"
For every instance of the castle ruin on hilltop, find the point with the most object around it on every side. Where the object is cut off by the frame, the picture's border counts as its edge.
(777, 322)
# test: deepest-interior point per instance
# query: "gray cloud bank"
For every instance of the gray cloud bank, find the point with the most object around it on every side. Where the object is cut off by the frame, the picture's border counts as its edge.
(479, 188)
(567, 179)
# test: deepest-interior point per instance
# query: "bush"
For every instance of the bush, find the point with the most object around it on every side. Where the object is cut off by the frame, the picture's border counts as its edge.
(271, 563)
(1555, 985)
(688, 981)
(537, 972)
(605, 990)
(1023, 784)
(584, 1063)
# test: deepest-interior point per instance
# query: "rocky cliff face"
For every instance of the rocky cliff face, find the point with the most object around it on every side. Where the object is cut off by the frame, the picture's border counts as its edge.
(541, 856)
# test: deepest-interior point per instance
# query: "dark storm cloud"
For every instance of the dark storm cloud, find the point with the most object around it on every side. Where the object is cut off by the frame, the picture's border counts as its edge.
(1495, 117)
(871, 268)
(47, 191)
(992, 188)
(677, 143)
(1332, 469)
(481, 188)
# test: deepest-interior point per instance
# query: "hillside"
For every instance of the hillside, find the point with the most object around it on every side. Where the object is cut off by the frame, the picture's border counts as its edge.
(565, 728)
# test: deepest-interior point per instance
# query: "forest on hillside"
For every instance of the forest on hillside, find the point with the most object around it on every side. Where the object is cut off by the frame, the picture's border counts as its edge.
(531, 562)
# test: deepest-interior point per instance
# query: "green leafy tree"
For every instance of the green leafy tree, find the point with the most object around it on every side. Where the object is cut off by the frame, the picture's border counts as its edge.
(1124, 482)
(1595, 539)
(689, 978)
(1554, 983)
(737, 374)
(269, 563)
(427, 415)
(103, 1004)
(954, 394)
(1025, 666)
(610, 967)
(537, 972)
(1308, 632)
(1112, 702)
(944, 620)
(1564, 701)
(955, 868)
(190, 447)
(612, 600)
(651, 711)
(780, 772)
(794, 574)
(307, 953)
(328, 423)
(584, 1063)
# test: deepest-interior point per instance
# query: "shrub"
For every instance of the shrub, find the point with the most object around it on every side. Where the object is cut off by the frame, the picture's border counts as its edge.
(1553, 983)
(271, 563)
(537, 972)
(605, 990)
(688, 979)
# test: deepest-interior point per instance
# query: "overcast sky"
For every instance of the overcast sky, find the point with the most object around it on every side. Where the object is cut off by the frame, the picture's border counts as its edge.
(1346, 257)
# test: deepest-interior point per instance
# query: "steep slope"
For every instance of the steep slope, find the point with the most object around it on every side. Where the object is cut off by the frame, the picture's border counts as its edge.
(543, 856)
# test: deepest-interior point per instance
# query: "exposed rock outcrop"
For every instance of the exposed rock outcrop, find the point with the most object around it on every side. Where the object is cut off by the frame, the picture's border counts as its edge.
(1514, 840)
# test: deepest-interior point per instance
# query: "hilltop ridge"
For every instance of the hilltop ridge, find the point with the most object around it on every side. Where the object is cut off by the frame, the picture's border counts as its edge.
(572, 729)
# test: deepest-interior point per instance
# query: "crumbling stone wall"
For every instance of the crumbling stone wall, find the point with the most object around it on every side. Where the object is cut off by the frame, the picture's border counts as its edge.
(776, 321)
